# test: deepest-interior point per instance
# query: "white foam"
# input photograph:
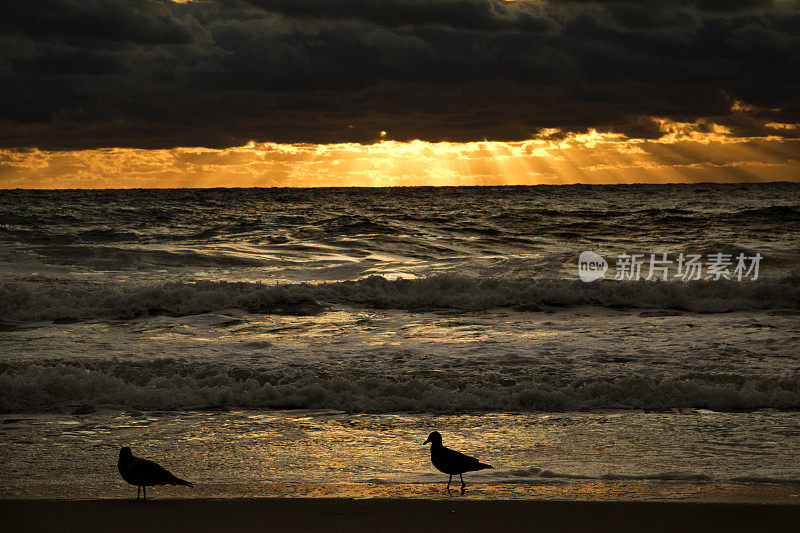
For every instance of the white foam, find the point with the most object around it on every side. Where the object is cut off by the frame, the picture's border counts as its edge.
(41, 386)
(37, 299)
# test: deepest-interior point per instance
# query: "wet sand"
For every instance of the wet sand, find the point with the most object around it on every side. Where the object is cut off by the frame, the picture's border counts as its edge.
(386, 515)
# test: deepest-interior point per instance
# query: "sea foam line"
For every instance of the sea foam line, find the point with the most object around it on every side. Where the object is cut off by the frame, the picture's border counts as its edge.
(176, 384)
(37, 299)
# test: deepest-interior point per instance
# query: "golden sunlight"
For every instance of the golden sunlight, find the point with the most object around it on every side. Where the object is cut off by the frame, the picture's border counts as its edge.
(686, 152)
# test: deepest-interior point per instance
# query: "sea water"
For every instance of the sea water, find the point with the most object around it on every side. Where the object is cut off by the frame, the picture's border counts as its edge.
(305, 341)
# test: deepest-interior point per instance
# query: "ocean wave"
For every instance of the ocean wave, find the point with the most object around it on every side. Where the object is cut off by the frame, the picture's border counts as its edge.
(771, 214)
(675, 475)
(39, 298)
(355, 225)
(116, 257)
(177, 384)
(659, 476)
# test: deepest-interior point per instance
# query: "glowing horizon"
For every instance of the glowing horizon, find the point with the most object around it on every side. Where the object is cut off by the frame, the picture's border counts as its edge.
(685, 153)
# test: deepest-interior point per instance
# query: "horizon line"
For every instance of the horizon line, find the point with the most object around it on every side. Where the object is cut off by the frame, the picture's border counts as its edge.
(471, 186)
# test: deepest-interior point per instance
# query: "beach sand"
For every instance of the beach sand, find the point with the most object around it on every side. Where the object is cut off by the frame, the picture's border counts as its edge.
(333, 514)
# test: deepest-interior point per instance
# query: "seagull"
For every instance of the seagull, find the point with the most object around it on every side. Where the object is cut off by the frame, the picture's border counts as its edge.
(450, 461)
(144, 473)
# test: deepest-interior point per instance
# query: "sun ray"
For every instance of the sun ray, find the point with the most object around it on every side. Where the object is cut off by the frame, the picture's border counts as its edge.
(686, 152)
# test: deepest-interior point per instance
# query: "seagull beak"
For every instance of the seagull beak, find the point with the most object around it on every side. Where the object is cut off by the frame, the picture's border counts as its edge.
(426, 442)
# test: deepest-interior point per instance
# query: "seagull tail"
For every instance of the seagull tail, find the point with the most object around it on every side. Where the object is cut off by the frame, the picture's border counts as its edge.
(179, 481)
(483, 466)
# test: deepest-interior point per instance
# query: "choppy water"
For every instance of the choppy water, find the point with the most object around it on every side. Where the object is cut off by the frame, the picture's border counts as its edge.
(417, 306)
(342, 234)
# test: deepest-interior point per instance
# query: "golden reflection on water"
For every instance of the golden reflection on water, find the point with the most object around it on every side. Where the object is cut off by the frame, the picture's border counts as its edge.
(308, 453)
(371, 327)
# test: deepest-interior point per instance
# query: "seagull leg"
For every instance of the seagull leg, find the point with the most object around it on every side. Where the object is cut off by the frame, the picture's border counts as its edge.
(138, 489)
(144, 489)
(463, 485)
(448, 483)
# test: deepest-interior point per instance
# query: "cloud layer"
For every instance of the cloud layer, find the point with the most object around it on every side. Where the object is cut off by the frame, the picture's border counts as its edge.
(79, 74)
(686, 152)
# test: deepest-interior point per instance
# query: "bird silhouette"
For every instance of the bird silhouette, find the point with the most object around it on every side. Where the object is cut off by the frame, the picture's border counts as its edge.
(450, 461)
(144, 473)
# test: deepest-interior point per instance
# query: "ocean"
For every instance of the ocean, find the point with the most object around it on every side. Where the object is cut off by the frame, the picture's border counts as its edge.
(272, 342)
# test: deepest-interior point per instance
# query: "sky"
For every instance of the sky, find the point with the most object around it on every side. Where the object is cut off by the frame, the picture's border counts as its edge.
(157, 93)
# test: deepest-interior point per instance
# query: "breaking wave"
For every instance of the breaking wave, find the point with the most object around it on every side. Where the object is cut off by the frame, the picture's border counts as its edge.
(41, 299)
(176, 384)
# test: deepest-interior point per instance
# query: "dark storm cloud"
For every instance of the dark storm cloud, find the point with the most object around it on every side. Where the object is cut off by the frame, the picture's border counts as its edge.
(149, 73)
(112, 20)
(477, 15)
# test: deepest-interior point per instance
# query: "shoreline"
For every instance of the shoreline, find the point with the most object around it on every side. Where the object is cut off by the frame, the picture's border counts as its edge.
(339, 514)
(541, 490)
